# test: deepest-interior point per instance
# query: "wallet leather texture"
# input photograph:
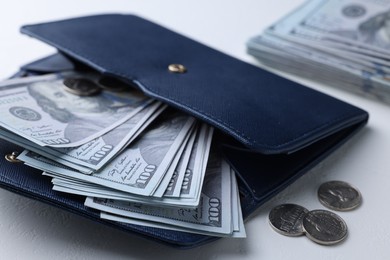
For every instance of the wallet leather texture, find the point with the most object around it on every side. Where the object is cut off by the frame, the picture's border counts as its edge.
(270, 113)
(274, 129)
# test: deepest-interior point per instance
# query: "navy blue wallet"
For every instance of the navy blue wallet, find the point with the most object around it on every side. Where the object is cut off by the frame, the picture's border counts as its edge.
(271, 129)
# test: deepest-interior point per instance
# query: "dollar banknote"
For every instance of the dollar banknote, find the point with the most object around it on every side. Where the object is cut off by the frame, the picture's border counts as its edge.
(212, 215)
(139, 168)
(237, 220)
(174, 186)
(294, 28)
(360, 81)
(169, 178)
(197, 167)
(323, 40)
(199, 153)
(125, 150)
(277, 46)
(164, 183)
(94, 154)
(66, 180)
(43, 112)
(338, 23)
(363, 22)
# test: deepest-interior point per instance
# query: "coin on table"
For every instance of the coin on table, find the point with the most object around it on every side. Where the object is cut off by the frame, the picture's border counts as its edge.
(286, 219)
(339, 195)
(81, 86)
(324, 227)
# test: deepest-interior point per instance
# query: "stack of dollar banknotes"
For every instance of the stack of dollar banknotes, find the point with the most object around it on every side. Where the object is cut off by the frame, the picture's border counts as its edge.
(343, 43)
(135, 159)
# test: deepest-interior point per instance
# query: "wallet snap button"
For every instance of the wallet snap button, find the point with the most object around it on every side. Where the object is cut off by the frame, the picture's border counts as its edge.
(177, 68)
(12, 158)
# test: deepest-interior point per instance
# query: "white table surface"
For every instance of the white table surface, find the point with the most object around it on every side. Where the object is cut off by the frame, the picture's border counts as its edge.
(32, 230)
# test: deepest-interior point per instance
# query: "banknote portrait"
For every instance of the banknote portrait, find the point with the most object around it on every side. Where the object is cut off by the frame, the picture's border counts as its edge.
(157, 141)
(84, 116)
(375, 30)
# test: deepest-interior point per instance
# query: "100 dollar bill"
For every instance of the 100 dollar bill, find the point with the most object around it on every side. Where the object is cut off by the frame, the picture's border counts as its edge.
(212, 215)
(237, 219)
(94, 154)
(65, 180)
(140, 167)
(43, 112)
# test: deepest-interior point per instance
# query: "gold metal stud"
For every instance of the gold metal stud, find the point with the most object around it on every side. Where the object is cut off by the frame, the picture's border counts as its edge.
(12, 157)
(177, 68)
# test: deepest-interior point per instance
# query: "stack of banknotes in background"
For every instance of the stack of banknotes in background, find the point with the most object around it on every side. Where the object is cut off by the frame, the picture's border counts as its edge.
(135, 160)
(344, 43)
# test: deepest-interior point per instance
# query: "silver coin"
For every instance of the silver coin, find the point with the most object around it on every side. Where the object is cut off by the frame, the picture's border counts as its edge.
(81, 86)
(286, 219)
(339, 195)
(324, 227)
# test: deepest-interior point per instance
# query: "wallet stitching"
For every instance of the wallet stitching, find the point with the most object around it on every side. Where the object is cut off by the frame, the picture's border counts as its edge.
(77, 53)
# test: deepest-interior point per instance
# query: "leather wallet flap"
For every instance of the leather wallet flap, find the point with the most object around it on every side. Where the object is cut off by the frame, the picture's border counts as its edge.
(263, 111)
